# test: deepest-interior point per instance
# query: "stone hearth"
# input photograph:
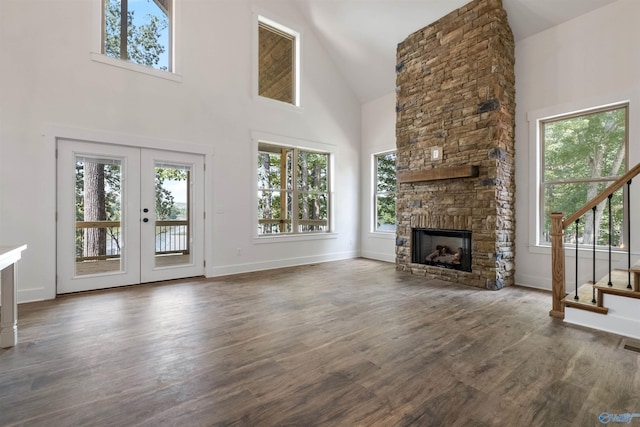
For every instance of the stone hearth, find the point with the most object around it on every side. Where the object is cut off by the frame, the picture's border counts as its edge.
(455, 109)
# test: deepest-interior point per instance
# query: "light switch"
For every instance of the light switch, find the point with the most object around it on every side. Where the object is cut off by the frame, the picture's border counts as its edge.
(436, 154)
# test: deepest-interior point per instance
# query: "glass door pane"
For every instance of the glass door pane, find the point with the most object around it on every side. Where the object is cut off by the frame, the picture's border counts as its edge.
(171, 200)
(98, 202)
(172, 208)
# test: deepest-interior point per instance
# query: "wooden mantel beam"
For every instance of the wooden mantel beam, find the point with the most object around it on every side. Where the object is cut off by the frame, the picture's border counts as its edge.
(444, 172)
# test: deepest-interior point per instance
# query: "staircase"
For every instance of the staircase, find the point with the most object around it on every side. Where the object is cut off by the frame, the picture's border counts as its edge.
(611, 304)
(615, 308)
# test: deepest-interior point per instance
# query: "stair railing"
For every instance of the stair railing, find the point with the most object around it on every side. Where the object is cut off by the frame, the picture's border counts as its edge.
(558, 225)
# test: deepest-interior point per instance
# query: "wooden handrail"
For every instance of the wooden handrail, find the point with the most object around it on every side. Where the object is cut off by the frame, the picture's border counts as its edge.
(557, 230)
(631, 173)
(97, 224)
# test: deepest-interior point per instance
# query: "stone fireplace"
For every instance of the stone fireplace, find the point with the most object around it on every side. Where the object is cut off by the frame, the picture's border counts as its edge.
(455, 144)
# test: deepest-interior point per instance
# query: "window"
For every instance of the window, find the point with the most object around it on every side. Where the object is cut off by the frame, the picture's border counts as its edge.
(582, 154)
(138, 31)
(278, 52)
(293, 190)
(385, 191)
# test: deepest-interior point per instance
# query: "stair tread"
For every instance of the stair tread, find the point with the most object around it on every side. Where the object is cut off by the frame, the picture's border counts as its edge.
(585, 296)
(619, 281)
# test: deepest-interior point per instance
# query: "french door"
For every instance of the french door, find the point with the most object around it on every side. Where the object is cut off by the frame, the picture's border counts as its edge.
(127, 215)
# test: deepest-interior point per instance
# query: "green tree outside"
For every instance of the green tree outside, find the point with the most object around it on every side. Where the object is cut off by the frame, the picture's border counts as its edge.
(582, 156)
(145, 40)
(386, 192)
(101, 201)
(276, 190)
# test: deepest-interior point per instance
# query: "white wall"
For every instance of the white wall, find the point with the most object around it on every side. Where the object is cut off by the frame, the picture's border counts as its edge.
(49, 81)
(589, 61)
(378, 135)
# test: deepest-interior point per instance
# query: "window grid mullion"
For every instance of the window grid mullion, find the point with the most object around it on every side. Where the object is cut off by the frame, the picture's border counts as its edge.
(295, 211)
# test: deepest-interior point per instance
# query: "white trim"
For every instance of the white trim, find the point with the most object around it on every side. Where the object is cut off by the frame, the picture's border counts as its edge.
(387, 235)
(379, 256)
(258, 136)
(96, 25)
(282, 263)
(533, 282)
(618, 320)
(33, 295)
(298, 237)
(274, 103)
(106, 137)
(174, 33)
(132, 66)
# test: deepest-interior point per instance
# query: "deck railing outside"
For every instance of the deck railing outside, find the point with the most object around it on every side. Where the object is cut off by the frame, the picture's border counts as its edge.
(274, 226)
(172, 237)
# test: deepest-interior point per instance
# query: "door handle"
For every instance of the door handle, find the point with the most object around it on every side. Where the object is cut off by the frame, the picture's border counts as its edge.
(145, 219)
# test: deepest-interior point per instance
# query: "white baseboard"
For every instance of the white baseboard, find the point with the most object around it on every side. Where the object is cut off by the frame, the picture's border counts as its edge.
(535, 282)
(282, 263)
(32, 295)
(379, 256)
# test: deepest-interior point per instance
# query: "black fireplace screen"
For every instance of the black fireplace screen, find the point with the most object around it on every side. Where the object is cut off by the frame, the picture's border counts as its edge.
(442, 248)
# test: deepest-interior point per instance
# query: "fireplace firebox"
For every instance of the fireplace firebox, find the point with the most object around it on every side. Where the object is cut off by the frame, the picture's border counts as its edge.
(442, 248)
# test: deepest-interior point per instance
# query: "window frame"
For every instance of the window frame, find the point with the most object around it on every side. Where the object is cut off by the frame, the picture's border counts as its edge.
(541, 186)
(376, 194)
(296, 146)
(296, 34)
(97, 46)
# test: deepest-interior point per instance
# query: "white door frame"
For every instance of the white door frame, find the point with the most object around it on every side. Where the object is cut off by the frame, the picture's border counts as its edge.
(53, 133)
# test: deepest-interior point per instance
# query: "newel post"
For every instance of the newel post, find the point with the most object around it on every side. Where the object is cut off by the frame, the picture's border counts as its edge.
(557, 265)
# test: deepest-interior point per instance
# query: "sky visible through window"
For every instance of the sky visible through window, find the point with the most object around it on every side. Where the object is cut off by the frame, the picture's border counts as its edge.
(143, 8)
(178, 189)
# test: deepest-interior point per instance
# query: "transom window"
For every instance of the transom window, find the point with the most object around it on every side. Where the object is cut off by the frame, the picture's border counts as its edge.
(385, 191)
(278, 48)
(293, 190)
(582, 154)
(138, 31)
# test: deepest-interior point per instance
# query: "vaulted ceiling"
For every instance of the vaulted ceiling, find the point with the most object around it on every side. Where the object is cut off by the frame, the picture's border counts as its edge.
(361, 35)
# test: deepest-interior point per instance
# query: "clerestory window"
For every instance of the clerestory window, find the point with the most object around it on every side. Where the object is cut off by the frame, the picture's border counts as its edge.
(278, 62)
(293, 190)
(582, 154)
(139, 31)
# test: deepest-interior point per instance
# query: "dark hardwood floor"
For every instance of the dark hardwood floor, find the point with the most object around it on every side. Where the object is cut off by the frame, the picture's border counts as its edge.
(339, 344)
